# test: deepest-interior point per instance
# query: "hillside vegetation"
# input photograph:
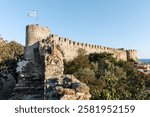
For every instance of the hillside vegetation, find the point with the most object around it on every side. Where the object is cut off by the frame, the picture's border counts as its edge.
(9, 51)
(107, 78)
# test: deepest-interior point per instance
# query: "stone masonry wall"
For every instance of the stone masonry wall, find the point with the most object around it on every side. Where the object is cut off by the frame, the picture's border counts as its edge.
(70, 48)
(37, 33)
(132, 54)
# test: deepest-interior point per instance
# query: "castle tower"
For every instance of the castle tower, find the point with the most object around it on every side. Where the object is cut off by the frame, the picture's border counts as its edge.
(132, 55)
(34, 33)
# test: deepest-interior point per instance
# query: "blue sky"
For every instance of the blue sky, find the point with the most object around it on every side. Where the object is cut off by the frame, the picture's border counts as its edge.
(112, 23)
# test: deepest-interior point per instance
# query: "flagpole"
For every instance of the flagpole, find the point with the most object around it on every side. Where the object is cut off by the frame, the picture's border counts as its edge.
(37, 17)
(34, 14)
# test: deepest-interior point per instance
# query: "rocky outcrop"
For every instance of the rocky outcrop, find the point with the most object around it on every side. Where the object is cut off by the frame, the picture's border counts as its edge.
(66, 87)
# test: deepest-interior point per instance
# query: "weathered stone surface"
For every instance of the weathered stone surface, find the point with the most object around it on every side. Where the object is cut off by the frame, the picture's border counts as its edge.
(28, 89)
(69, 97)
(53, 55)
(34, 33)
(59, 90)
(81, 87)
(132, 54)
(69, 89)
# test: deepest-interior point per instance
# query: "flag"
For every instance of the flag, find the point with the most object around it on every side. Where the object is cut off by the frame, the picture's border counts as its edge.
(33, 13)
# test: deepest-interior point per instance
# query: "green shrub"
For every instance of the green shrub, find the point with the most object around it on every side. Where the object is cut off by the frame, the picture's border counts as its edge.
(108, 78)
(85, 75)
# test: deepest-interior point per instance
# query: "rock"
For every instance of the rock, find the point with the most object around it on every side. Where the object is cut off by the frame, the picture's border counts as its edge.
(81, 87)
(83, 96)
(71, 77)
(68, 97)
(52, 95)
(53, 59)
(69, 89)
(59, 90)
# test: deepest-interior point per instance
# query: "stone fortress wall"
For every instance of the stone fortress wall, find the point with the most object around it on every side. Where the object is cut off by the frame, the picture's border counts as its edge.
(36, 33)
(70, 49)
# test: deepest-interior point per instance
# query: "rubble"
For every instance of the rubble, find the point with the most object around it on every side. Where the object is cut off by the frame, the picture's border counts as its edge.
(66, 87)
(28, 90)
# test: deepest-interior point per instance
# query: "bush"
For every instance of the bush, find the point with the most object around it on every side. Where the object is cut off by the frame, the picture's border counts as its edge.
(109, 78)
(85, 75)
(80, 62)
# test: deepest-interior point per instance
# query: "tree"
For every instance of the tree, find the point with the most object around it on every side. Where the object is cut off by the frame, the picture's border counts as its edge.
(79, 62)
(10, 51)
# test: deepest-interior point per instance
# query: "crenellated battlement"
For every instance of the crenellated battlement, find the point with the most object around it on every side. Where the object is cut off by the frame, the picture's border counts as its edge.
(36, 33)
(132, 50)
(131, 54)
(70, 42)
